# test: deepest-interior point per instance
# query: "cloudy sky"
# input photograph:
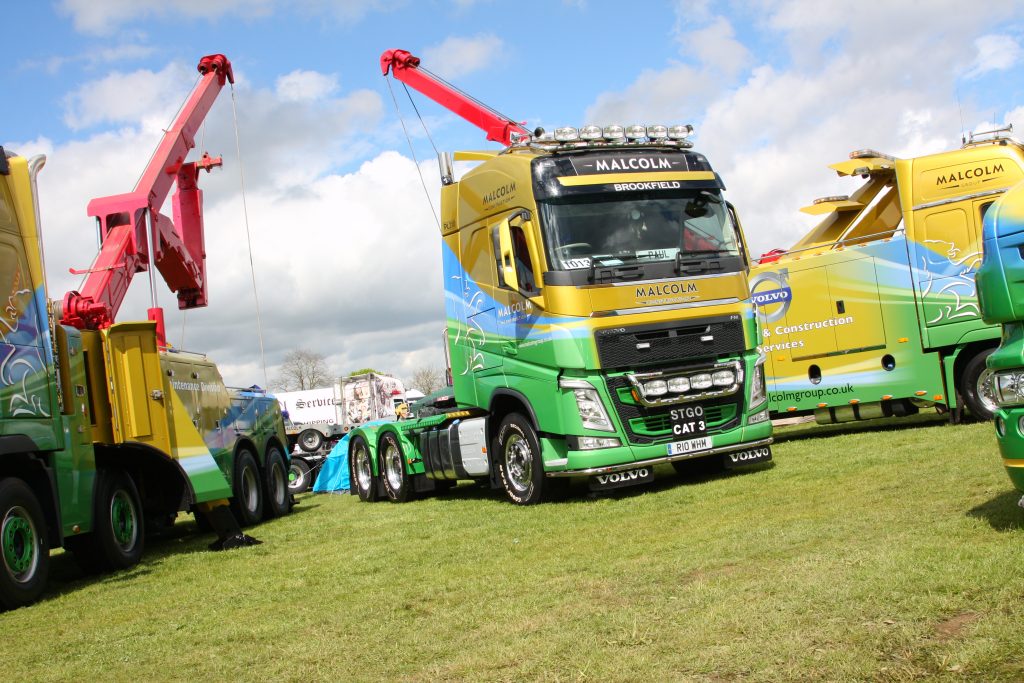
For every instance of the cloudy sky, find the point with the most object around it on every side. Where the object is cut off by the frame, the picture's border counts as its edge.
(345, 249)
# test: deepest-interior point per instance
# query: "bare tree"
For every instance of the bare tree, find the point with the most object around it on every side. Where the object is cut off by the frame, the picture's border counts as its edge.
(428, 379)
(303, 369)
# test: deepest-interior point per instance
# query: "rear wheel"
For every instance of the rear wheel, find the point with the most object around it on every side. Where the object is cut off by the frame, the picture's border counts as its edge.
(519, 460)
(275, 484)
(397, 483)
(247, 502)
(298, 476)
(362, 469)
(118, 536)
(310, 440)
(976, 387)
(24, 551)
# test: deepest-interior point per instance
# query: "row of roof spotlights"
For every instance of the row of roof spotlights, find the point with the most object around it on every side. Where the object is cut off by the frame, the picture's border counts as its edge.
(613, 133)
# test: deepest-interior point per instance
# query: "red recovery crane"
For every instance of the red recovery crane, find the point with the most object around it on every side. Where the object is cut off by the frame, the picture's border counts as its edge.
(134, 234)
(406, 68)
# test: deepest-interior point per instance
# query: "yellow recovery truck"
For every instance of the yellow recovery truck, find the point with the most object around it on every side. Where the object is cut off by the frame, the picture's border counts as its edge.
(874, 312)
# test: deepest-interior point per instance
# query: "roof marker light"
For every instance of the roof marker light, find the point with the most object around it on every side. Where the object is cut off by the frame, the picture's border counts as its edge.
(680, 132)
(657, 132)
(636, 132)
(566, 134)
(613, 133)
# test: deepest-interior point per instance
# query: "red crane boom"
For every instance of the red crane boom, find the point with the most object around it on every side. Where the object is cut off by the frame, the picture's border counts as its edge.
(406, 68)
(134, 234)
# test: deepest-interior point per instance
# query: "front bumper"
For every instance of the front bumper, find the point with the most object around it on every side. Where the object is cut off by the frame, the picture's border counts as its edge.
(608, 469)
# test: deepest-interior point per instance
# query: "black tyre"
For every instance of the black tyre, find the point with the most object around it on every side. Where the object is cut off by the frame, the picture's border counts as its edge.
(361, 469)
(276, 496)
(397, 483)
(311, 440)
(247, 502)
(299, 479)
(976, 387)
(117, 536)
(699, 467)
(520, 467)
(24, 549)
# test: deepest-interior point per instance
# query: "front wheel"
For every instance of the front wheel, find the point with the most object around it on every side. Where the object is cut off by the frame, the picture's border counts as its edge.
(311, 440)
(976, 387)
(397, 483)
(275, 484)
(519, 460)
(362, 470)
(247, 502)
(23, 545)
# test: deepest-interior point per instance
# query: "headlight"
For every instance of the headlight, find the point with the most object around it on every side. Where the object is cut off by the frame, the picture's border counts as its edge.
(757, 389)
(1009, 387)
(588, 402)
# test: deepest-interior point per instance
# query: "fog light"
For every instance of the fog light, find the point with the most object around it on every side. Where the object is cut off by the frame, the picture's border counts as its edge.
(591, 443)
(636, 132)
(701, 381)
(1000, 427)
(723, 378)
(1020, 425)
(590, 133)
(680, 132)
(657, 132)
(758, 417)
(679, 384)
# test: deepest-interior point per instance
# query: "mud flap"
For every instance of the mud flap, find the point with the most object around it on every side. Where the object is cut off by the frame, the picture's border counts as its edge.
(229, 534)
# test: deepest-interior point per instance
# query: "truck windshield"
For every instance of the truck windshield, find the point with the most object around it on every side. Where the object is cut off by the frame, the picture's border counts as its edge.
(636, 229)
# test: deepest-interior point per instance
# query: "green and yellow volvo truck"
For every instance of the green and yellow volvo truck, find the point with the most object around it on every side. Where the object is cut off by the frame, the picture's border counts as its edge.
(598, 317)
(874, 313)
(1001, 295)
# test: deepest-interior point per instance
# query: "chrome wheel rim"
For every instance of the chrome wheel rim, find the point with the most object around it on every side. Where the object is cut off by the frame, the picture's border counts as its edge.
(393, 466)
(519, 462)
(363, 473)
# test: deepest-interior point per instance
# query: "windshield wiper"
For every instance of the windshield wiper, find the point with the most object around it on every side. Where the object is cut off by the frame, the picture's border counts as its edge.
(610, 272)
(699, 261)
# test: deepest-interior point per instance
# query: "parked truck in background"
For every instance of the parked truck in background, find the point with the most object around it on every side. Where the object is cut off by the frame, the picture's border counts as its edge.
(104, 431)
(1001, 296)
(874, 313)
(318, 418)
(598, 315)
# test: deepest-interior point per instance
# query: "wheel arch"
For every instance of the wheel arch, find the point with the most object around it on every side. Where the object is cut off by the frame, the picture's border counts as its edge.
(505, 401)
(21, 462)
(163, 486)
(964, 356)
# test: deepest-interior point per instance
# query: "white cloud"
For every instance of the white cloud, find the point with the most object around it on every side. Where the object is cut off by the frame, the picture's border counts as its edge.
(104, 17)
(127, 97)
(995, 53)
(302, 85)
(882, 77)
(456, 56)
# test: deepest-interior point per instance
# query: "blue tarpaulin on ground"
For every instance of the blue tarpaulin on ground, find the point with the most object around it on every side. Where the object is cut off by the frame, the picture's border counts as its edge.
(334, 474)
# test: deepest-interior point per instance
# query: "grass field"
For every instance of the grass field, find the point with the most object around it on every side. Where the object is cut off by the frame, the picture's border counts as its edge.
(876, 554)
